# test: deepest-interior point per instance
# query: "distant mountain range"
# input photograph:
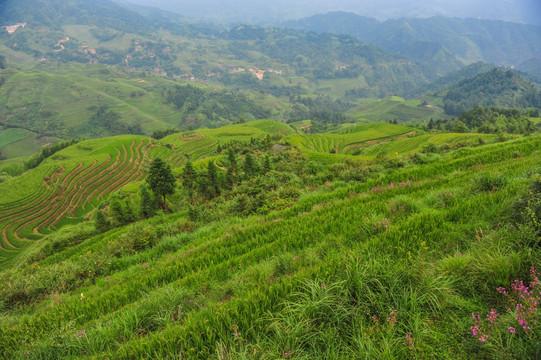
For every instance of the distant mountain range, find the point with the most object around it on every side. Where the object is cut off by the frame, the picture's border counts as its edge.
(270, 12)
(445, 43)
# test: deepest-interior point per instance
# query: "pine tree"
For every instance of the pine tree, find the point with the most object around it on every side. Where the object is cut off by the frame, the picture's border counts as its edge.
(250, 166)
(147, 206)
(161, 180)
(267, 164)
(189, 180)
(116, 211)
(230, 176)
(212, 175)
(101, 223)
(232, 158)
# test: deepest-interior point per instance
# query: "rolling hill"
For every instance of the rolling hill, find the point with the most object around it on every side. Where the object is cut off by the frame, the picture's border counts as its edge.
(71, 184)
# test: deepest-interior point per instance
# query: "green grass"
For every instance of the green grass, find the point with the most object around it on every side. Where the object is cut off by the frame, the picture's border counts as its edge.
(314, 279)
(9, 136)
(73, 93)
(20, 143)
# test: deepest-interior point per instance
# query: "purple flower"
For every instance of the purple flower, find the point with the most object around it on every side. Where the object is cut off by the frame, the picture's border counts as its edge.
(512, 330)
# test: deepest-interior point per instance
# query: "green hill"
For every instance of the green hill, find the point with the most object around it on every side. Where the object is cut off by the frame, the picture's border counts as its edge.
(385, 257)
(498, 87)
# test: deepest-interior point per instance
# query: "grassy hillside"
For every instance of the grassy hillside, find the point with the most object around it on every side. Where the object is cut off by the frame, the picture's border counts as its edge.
(391, 265)
(62, 104)
(68, 186)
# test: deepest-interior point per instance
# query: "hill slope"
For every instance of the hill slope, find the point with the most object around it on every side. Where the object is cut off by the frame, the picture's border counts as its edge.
(493, 88)
(392, 266)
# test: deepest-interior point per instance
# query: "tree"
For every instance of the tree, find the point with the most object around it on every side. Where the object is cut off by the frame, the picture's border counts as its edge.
(116, 211)
(460, 127)
(250, 167)
(430, 125)
(232, 168)
(267, 164)
(129, 213)
(161, 180)
(189, 180)
(100, 222)
(147, 205)
(232, 158)
(212, 174)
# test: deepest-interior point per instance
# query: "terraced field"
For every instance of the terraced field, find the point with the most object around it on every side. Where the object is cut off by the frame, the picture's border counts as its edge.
(201, 143)
(60, 191)
(408, 255)
(355, 137)
(407, 146)
(394, 108)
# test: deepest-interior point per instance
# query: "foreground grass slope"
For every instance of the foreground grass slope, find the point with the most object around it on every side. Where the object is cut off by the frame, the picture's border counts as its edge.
(389, 267)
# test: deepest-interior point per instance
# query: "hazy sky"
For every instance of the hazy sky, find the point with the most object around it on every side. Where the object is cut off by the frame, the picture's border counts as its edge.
(275, 10)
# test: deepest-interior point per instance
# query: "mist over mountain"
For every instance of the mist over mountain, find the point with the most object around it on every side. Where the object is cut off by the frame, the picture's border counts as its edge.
(259, 11)
(445, 43)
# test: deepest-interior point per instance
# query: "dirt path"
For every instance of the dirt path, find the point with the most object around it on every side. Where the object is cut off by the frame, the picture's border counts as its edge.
(201, 136)
(220, 167)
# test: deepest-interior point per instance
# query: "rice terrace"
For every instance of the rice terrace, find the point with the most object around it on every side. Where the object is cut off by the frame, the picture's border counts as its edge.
(232, 180)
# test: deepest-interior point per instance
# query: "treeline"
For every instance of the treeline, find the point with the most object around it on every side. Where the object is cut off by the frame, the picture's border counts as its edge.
(200, 108)
(322, 110)
(160, 134)
(47, 151)
(489, 120)
(111, 121)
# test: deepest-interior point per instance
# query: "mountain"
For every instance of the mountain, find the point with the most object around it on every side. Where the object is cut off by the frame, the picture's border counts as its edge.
(53, 14)
(259, 11)
(446, 43)
(454, 77)
(497, 87)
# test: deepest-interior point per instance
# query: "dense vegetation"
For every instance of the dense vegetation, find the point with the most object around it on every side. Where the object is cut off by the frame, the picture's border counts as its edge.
(497, 87)
(492, 120)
